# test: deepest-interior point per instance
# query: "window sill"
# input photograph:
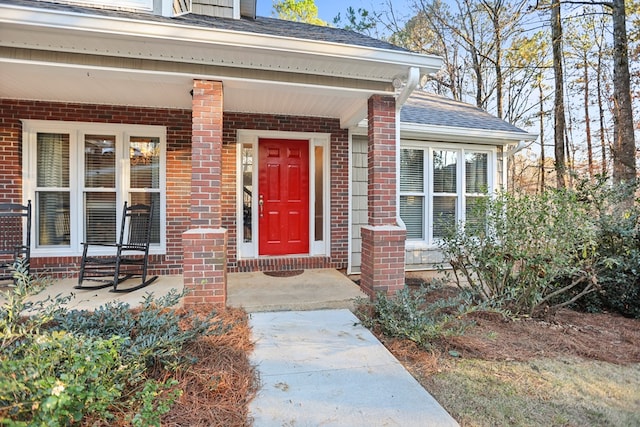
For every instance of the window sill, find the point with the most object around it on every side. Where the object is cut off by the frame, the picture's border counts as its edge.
(420, 245)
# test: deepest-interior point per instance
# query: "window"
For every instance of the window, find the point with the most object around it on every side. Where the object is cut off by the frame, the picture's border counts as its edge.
(412, 192)
(80, 174)
(439, 186)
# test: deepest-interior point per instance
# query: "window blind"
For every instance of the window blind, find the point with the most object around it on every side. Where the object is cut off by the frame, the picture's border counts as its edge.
(100, 217)
(444, 214)
(412, 214)
(100, 161)
(476, 172)
(445, 164)
(411, 170)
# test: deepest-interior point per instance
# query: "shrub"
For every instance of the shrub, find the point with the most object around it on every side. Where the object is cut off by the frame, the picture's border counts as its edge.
(20, 317)
(58, 378)
(530, 244)
(60, 368)
(410, 315)
(618, 249)
(152, 334)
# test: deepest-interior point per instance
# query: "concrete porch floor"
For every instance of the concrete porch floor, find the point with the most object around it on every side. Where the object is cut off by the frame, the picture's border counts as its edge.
(255, 292)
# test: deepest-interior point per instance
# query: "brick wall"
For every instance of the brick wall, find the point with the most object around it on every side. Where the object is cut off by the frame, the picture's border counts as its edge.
(178, 123)
(179, 129)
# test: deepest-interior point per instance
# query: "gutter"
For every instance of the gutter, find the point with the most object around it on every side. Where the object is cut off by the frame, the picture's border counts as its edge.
(519, 147)
(465, 135)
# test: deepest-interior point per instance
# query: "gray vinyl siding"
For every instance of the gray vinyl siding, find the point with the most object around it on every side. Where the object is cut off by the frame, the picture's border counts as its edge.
(217, 8)
(359, 199)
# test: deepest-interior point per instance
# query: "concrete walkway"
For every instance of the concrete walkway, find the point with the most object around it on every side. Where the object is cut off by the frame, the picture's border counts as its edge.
(321, 368)
(312, 290)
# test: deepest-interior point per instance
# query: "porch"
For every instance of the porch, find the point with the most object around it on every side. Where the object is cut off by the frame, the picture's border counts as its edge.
(256, 292)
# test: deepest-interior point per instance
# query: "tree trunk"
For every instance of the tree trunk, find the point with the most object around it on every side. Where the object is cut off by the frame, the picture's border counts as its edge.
(559, 119)
(542, 156)
(624, 146)
(603, 143)
(587, 118)
(498, 58)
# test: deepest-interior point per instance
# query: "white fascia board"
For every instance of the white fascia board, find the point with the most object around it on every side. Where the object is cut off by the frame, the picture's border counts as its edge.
(141, 29)
(460, 134)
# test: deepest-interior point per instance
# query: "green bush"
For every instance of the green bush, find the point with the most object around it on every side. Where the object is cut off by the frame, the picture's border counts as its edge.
(618, 249)
(58, 378)
(530, 245)
(409, 314)
(61, 368)
(152, 334)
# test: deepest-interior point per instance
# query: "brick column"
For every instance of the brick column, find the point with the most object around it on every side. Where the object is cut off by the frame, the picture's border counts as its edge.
(383, 241)
(205, 244)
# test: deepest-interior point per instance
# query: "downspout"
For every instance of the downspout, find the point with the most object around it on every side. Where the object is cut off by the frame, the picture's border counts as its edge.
(413, 80)
(521, 145)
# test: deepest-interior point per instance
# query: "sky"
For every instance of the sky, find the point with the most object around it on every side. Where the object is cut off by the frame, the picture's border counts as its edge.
(329, 9)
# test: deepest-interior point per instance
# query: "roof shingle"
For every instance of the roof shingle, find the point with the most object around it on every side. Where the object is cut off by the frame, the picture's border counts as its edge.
(261, 25)
(427, 109)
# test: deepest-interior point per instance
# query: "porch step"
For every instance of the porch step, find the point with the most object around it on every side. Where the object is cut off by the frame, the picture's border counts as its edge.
(314, 289)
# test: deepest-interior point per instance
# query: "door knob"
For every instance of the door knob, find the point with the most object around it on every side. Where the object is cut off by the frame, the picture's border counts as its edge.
(261, 205)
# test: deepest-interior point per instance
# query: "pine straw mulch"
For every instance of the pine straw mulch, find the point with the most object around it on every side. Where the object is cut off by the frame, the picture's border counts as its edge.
(602, 337)
(217, 389)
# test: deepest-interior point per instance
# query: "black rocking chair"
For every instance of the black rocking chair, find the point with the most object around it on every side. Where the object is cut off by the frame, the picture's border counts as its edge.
(132, 254)
(15, 238)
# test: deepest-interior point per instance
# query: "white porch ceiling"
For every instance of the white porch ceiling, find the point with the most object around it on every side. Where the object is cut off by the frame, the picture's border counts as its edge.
(34, 81)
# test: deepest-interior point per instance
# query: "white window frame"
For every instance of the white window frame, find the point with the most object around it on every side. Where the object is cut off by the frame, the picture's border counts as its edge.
(429, 242)
(320, 247)
(76, 132)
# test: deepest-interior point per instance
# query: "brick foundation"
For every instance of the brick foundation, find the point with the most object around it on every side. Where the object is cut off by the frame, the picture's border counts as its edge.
(283, 264)
(382, 260)
(205, 259)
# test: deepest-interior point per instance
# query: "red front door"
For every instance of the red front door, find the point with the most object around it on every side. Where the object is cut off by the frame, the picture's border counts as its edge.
(283, 196)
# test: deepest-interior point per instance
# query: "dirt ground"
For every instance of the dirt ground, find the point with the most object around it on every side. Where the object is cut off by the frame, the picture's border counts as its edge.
(603, 337)
(218, 387)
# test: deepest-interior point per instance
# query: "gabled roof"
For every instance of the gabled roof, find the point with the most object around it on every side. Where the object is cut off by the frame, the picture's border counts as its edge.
(433, 117)
(260, 25)
(429, 109)
(279, 27)
(70, 53)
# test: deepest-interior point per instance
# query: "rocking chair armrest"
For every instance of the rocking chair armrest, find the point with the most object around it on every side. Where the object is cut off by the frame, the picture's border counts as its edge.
(20, 249)
(132, 247)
